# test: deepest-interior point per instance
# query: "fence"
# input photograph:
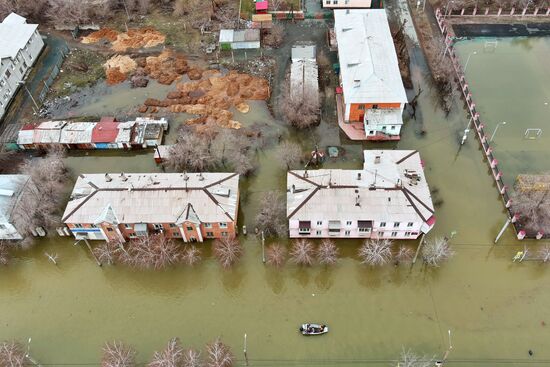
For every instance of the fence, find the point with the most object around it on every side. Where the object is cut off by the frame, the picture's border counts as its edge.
(63, 51)
(500, 12)
(479, 127)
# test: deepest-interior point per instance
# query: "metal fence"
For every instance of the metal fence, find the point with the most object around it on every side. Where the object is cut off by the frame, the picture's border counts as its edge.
(63, 51)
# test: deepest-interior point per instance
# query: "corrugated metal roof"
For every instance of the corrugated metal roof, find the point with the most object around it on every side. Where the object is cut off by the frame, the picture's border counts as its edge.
(77, 133)
(105, 132)
(14, 35)
(226, 35)
(153, 198)
(11, 186)
(385, 190)
(304, 52)
(48, 132)
(368, 61)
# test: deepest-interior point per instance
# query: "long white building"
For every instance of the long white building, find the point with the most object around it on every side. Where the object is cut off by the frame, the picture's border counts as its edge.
(388, 198)
(20, 45)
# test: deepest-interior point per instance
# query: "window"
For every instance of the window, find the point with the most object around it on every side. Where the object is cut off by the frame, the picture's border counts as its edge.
(371, 132)
(374, 106)
(172, 225)
(382, 224)
(93, 226)
(392, 127)
(361, 107)
(327, 2)
(224, 234)
(176, 233)
(223, 225)
(132, 235)
(319, 222)
(128, 226)
(318, 233)
(396, 225)
(364, 230)
(21, 70)
(207, 225)
(2, 82)
(78, 225)
(189, 228)
(347, 233)
(25, 64)
(304, 227)
(407, 234)
(335, 2)
(157, 226)
(209, 234)
(410, 224)
(348, 223)
(109, 229)
(8, 74)
(394, 234)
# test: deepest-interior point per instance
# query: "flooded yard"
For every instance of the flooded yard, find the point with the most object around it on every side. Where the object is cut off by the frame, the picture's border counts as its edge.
(497, 310)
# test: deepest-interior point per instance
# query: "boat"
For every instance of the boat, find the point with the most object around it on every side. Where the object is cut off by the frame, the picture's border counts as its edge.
(313, 329)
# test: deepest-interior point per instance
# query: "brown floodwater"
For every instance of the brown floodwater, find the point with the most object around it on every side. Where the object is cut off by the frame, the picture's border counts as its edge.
(497, 310)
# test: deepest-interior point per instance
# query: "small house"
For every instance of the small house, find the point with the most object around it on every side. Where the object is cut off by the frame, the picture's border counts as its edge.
(12, 188)
(120, 207)
(239, 39)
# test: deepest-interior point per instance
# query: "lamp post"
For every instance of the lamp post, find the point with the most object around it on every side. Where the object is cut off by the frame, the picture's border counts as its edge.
(496, 128)
(30, 95)
(468, 59)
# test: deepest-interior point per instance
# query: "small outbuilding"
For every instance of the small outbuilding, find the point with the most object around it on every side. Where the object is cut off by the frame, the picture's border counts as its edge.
(231, 39)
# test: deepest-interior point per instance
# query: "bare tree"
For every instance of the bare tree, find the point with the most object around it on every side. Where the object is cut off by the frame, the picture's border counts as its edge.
(42, 195)
(301, 111)
(192, 358)
(276, 255)
(218, 354)
(404, 254)
(274, 36)
(155, 251)
(271, 219)
(117, 354)
(12, 354)
(410, 359)
(171, 356)
(327, 252)
(191, 152)
(289, 154)
(436, 251)
(228, 251)
(375, 252)
(5, 253)
(544, 254)
(107, 252)
(191, 255)
(233, 150)
(302, 252)
(531, 200)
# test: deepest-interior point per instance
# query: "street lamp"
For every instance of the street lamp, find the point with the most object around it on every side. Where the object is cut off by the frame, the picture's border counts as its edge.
(30, 95)
(468, 59)
(496, 128)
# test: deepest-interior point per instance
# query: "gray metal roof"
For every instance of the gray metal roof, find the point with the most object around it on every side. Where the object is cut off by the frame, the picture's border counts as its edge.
(10, 188)
(14, 35)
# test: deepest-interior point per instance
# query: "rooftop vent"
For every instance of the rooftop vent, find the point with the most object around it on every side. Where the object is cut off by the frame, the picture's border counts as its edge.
(223, 192)
(356, 83)
(358, 177)
(357, 200)
(377, 159)
(292, 188)
(201, 177)
(108, 178)
(123, 177)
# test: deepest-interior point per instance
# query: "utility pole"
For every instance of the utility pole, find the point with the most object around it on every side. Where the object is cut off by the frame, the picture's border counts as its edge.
(263, 247)
(419, 246)
(508, 221)
(244, 350)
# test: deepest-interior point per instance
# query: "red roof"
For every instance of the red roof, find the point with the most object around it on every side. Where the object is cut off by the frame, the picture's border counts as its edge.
(261, 5)
(105, 132)
(28, 127)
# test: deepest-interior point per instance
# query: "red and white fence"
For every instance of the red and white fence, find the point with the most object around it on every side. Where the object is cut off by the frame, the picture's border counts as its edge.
(500, 12)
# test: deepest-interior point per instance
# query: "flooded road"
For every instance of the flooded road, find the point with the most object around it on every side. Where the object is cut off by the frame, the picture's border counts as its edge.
(497, 310)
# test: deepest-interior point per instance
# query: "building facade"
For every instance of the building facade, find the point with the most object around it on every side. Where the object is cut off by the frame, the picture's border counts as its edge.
(12, 187)
(20, 46)
(347, 4)
(388, 198)
(120, 207)
(372, 96)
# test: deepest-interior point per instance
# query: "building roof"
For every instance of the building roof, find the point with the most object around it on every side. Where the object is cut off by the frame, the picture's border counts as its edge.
(240, 35)
(10, 188)
(14, 35)
(303, 52)
(368, 61)
(304, 75)
(48, 132)
(394, 189)
(153, 198)
(383, 116)
(105, 132)
(262, 5)
(77, 133)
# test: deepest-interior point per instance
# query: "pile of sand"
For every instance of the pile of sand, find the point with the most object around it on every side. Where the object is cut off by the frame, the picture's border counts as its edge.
(138, 38)
(133, 39)
(166, 67)
(118, 67)
(107, 34)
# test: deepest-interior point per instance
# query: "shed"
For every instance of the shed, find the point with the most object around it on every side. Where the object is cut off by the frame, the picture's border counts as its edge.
(239, 39)
(104, 135)
(47, 133)
(25, 137)
(78, 135)
(261, 7)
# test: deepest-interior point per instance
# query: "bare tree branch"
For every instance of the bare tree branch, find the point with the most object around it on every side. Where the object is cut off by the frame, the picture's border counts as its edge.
(375, 252)
(171, 356)
(436, 251)
(218, 354)
(302, 252)
(117, 354)
(327, 252)
(228, 251)
(276, 255)
(271, 218)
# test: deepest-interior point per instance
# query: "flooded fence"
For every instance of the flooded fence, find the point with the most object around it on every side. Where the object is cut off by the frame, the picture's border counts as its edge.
(63, 51)
(480, 129)
(500, 12)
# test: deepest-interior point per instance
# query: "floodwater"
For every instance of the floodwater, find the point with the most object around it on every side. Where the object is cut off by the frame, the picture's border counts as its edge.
(497, 310)
(518, 69)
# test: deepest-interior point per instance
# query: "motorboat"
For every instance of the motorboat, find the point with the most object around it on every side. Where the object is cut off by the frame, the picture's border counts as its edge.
(313, 329)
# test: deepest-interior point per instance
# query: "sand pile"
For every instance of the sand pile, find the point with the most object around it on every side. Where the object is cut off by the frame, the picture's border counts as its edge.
(138, 38)
(133, 39)
(118, 67)
(107, 34)
(166, 67)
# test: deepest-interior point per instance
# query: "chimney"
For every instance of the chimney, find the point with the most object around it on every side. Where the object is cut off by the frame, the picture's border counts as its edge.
(359, 175)
(292, 188)
(108, 178)
(185, 177)
(201, 178)
(305, 174)
(377, 159)
(357, 202)
(123, 177)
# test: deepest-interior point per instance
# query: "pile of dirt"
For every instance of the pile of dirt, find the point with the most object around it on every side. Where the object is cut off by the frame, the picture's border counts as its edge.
(138, 38)
(164, 68)
(211, 98)
(107, 34)
(133, 39)
(118, 67)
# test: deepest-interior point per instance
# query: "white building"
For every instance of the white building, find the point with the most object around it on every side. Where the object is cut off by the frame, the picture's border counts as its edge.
(20, 45)
(369, 73)
(231, 39)
(346, 4)
(12, 187)
(388, 198)
(304, 72)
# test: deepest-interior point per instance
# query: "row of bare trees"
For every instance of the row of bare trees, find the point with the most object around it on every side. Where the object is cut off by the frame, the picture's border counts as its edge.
(303, 252)
(216, 354)
(225, 148)
(158, 252)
